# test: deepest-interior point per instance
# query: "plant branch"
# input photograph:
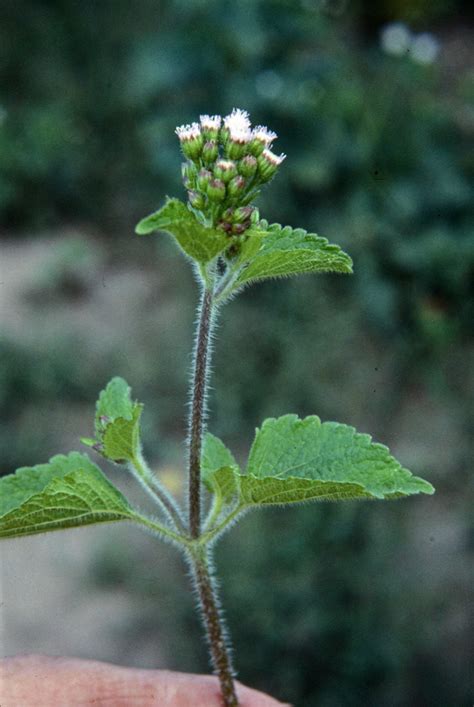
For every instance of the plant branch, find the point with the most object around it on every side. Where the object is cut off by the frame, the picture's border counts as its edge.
(180, 540)
(159, 494)
(214, 624)
(198, 411)
(214, 532)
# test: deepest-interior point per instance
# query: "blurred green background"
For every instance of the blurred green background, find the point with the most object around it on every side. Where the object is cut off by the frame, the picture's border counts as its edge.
(362, 604)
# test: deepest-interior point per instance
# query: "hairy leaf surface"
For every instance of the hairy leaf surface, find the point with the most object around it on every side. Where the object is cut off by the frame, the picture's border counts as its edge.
(284, 251)
(66, 492)
(117, 423)
(220, 471)
(200, 243)
(294, 460)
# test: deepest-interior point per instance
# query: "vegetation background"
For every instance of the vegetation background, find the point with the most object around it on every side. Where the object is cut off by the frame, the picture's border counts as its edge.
(352, 605)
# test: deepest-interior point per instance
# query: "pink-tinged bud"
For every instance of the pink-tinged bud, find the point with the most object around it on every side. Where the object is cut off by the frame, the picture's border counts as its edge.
(268, 164)
(210, 125)
(247, 166)
(239, 228)
(225, 226)
(210, 152)
(225, 170)
(203, 179)
(228, 215)
(236, 186)
(243, 213)
(216, 190)
(196, 199)
(191, 140)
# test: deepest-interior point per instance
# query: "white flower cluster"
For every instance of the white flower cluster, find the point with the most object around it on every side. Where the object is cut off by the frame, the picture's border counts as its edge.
(238, 125)
(227, 163)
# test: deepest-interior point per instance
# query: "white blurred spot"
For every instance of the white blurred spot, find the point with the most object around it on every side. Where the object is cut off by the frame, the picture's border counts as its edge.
(424, 48)
(396, 39)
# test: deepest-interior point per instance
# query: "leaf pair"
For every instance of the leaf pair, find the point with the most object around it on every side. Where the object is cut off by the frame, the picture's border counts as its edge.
(267, 251)
(70, 490)
(293, 460)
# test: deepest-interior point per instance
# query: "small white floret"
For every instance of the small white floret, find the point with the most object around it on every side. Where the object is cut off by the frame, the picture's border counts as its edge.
(270, 156)
(263, 134)
(188, 132)
(210, 122)
(237, 120)
(240, 135)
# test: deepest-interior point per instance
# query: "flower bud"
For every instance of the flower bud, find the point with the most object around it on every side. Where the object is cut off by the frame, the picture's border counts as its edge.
(216, 190)
(255, 217)
(210, 152)
(196, 199)
(191, 140)
(247, 166)
(239, 228)
(236, 186)
(203, 179)
(236, 145)
(268, 164)
(228, 215)
(243, 213)
(225, 170)
(188, 172)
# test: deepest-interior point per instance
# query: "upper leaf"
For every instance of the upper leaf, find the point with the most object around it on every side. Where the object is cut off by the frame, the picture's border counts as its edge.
(117, 423)
(66, 492)
(324, 461)
(293, 460)
(273, 251)
(200, 243)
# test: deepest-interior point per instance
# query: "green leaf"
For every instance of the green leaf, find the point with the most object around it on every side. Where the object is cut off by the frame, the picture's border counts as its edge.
(288, 251)
(219, 469)
(215, 455)
(117, 423)
(68, 491)
(114, 401)
(200, 243)
(293, 460)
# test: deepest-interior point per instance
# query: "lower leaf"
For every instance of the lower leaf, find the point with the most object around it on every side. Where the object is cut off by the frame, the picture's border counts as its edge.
(67, 492)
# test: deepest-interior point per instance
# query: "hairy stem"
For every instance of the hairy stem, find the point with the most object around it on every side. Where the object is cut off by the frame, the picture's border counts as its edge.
(198, 411)
(214, 625)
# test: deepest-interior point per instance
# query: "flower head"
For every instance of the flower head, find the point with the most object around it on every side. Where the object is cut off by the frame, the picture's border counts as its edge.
(210, 122)
(237, 121)
(264, 135)
(227, 163)
(188, 132)
(268, 163)
(191, 140)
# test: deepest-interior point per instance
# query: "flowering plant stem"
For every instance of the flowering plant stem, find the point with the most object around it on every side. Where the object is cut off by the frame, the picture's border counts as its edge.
(200, 556)
(291, 460)
(198, 409)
